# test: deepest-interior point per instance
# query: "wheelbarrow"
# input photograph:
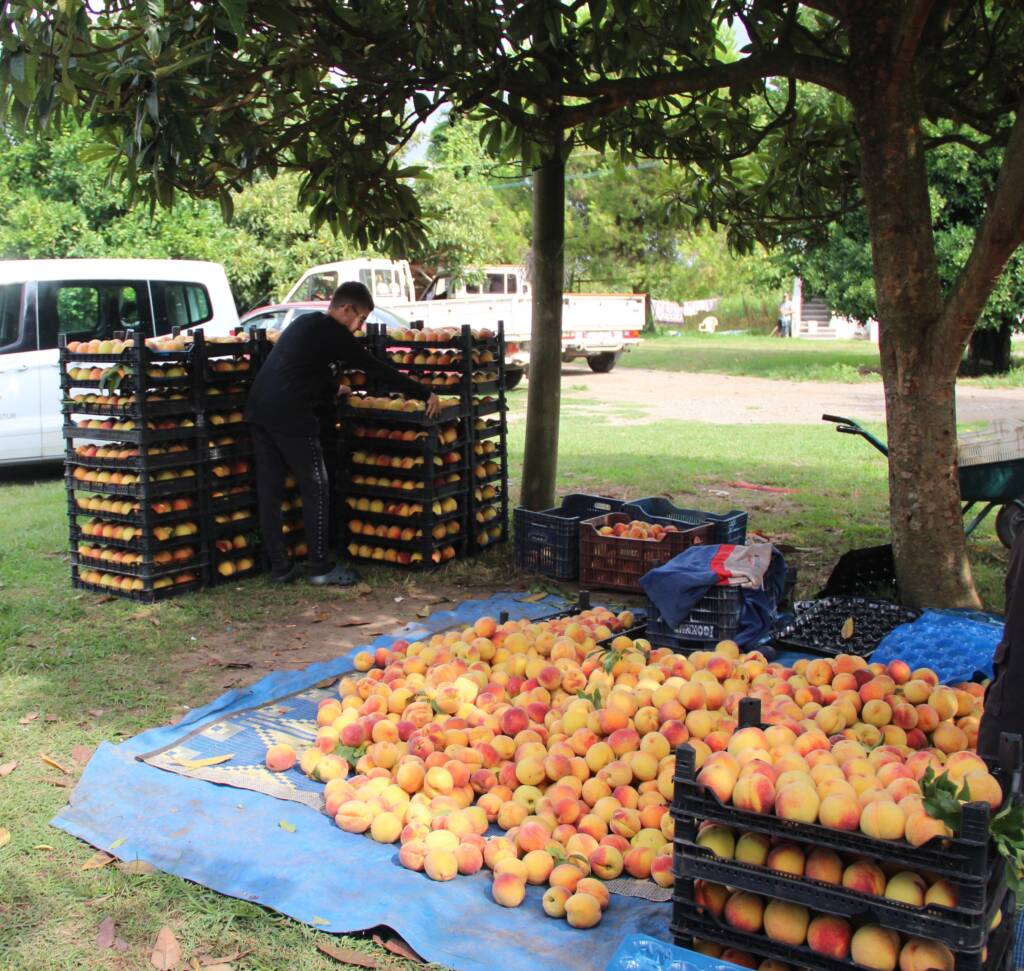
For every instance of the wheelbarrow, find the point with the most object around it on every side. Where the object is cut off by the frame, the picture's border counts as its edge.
(991, 483)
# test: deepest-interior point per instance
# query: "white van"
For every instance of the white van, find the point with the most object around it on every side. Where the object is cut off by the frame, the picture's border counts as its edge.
(40, 299)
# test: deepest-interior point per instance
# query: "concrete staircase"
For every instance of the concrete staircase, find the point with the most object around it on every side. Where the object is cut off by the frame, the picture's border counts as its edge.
(815, 320)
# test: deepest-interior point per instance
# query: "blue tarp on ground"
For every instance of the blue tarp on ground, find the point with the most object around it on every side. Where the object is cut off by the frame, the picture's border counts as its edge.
(231, 840)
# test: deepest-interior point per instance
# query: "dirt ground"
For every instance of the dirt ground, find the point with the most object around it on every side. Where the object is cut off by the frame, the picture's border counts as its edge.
(727, 400)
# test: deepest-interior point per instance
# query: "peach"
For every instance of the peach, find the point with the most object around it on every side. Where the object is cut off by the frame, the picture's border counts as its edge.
(497, 848)
(798, 801)
(661, 870)
(532, 836)
(440, 865)
(921, 955)
(941, 893)
(745, 912)
(565, 875)
(553, 901)
(508, 890)
(386, 828)
(412, 854)
(984, 788)
(280, 757)
(864, 877)
(733, 955)
(754, 793)
(948, 738)
(606, 862)
(883, 821)
(787, 858)
(539, 864)
(354, 816)
(921, 828)
(583, 910)
(637, 862)
(786, 923)
(719, 779)
(839, 812)
(469, 858)
(309, 760)
(509, 864)
(596, 889)
(824, 865)
(719, 839)
(907, 887)
(875, 947)
(752, 848)
(711, 897)
(829, 935)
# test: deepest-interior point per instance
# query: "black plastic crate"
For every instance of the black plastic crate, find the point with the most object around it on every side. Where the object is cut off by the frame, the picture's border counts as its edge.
(144, 570)
(716, 617)
(147, 595)
(818, 627)
(963, 927)
(374, 416)
(548, 541)
(968, 857)
(138, 544)
(730, 527)
(136, 463)
(867, 572)
(690, 922)
(146, 488)
(138, 517)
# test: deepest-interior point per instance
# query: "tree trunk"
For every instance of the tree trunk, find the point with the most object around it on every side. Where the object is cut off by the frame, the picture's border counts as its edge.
(540, 455)
(918, 365)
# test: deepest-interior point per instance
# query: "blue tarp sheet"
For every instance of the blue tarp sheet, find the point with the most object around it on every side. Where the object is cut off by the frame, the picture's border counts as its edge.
(231, 840)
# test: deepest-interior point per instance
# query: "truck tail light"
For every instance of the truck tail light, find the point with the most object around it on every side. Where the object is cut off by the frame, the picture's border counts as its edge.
(632, 333)
(511, 348)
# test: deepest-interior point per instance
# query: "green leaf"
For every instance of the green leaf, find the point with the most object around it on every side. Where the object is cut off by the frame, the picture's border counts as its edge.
(286, 826)
(236, 11)
(422, 104)
(96, 151)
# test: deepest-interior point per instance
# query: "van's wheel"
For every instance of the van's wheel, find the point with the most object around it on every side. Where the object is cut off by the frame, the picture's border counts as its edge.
(513, 377)
(1009, 521)
(602, 363)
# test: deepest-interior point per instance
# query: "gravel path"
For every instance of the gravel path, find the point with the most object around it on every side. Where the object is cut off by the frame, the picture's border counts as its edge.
(649, 396)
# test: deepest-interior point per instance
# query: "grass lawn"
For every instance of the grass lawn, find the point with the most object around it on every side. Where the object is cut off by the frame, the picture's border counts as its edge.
(95, 671)
(761, 356)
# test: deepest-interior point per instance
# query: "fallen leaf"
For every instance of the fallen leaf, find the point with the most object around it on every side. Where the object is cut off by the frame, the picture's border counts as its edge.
(98, 860)
(95, 712)
(319, 921)
(42, 846)
(423, 612)
(363, 589)
(5, 837)
(118, 842)
(7, 768)
(353, 622)
(137, 868)
(50, 718)
(106, 934)
(227, 959)
(81, 754)
(30, 717)
(203, 763)
(59, 783)
(346, 955)
(397, 946)
(120, 944)
(217, 967)
(53, 763)
(847, 632)
(286, 826)
(533, 598)
(167, 953)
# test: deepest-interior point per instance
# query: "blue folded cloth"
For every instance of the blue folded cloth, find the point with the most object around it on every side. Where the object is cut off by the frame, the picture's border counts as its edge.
(677, 586)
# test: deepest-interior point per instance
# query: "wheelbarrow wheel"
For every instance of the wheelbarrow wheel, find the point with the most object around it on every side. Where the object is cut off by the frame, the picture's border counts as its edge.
(1009, 521)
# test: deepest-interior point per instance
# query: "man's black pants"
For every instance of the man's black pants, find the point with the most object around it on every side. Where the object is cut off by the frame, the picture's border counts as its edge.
(275, 454)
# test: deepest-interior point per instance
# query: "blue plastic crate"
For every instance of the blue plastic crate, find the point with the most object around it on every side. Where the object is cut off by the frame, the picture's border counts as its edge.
(730, 527)
(548, 541)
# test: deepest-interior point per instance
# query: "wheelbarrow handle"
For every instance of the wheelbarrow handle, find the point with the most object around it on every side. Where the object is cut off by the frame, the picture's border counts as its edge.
(849, 427)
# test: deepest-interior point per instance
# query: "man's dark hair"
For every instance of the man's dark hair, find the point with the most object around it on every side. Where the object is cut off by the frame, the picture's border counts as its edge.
(353, 293)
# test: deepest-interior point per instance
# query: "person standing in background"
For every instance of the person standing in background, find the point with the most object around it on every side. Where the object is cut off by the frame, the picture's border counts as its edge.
(786, 317)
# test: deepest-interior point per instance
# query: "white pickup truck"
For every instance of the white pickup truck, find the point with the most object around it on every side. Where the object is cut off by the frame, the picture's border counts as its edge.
(596, 326)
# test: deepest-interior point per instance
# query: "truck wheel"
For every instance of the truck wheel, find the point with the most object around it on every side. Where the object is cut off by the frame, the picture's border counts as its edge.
(513, 377)
(602, 363)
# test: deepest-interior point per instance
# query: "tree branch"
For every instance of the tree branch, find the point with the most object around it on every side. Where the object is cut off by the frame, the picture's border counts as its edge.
(908, 39)
(610, 95)
(1001, 232)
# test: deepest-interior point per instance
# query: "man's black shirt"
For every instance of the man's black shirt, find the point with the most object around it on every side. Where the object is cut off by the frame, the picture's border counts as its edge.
(295, 380)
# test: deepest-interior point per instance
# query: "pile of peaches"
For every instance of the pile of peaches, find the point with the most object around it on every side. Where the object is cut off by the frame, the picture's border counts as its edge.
(570, 750)
(441, 335)
(636, 529)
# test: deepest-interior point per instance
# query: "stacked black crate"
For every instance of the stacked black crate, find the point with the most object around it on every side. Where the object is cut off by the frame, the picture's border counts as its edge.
(405, 479)
(132, 466)
(805, 916)
(223, 370)
(488, 499)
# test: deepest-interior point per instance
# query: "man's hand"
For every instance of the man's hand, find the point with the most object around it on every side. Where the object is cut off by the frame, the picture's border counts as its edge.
(433, 406)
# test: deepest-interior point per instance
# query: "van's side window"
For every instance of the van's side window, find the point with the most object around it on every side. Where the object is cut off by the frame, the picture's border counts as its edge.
(91, 309)
(179, 305)
(318, 286)
(10, 315)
